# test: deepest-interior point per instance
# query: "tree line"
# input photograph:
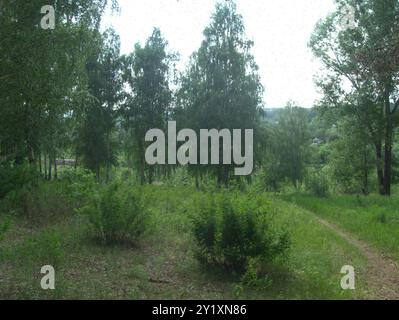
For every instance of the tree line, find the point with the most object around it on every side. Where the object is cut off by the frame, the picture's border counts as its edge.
(69, 92)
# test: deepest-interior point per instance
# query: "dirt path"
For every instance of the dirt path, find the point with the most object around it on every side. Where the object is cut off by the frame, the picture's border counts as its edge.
(383, 272)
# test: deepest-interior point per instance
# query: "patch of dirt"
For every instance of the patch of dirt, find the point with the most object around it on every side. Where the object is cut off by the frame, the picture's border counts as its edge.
(383, 272)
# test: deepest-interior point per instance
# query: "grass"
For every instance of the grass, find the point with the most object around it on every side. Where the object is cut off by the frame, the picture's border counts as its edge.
(373, 219)
(161, 265)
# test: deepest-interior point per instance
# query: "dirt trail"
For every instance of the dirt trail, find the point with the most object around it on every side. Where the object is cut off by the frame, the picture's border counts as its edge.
(383, 272)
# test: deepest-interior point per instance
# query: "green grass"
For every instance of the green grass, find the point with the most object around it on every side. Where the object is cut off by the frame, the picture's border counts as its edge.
(162, 266)
(374, 219)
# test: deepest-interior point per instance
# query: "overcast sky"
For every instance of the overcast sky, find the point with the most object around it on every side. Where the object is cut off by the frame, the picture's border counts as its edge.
(279, 28)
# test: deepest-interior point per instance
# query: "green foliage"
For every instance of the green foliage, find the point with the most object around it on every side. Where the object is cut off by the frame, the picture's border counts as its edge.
(288, 148)
(371, 99)
(40, 202)
(5, 225)
(42, 86)
(79, 184)
(229, 231)
(44, 248)
(116, 213)
(382, 218)
(147, 71)
(14, 177)
(351, 159)
(221, 88)
(254, 277)
(97, 139)
(317, 183)
(90, 272)
(374, 219)
(271, 178)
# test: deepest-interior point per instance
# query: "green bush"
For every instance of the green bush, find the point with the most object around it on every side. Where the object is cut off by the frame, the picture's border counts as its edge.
(317, 184)
(43, 200)
(40, 202)
(116, 212)
(78, 183)
(271, 178)
(15, 177)
(231, 231)
(44, 248)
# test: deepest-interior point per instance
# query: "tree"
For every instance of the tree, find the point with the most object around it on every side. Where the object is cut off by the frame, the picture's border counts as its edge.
(362, 73)
(105, 84)
(351, 157)
(148, 73)
(288, 146)
(41, 74)
(221, 88)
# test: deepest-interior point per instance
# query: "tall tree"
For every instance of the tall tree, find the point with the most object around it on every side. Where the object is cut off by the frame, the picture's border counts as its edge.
(105, 84)
(362, 72)
(288, 145)
(148, 72)
(42, 72)
(221, 88)
(351, 157)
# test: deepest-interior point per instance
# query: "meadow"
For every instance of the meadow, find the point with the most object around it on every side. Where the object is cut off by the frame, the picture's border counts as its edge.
(162, 263)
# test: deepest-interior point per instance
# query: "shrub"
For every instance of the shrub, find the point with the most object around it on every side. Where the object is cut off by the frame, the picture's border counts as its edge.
(42, 249)
(317, 184)
(14, 177)
(79, 184)
(229, 233)
(39, 202)
(116, 212)
(252, 277)
(271, 178)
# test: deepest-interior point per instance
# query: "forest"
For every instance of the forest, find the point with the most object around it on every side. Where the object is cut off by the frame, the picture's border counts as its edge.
(85, 215)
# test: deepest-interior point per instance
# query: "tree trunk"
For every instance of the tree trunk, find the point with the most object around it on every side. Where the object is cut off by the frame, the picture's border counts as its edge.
(45, 166)
(107, 166)
(40, 164)
(388, 170)
(366, 179)
(55, 168)
(49, 168)
(142, 163)
(388, 146)
(380, 171)
(151, 175)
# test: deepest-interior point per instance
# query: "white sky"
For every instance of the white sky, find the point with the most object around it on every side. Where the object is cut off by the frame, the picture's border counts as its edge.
(280, 29)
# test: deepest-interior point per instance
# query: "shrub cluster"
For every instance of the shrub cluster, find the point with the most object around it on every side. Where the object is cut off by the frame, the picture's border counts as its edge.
(116, 212)
(231, 231)
(317, 184)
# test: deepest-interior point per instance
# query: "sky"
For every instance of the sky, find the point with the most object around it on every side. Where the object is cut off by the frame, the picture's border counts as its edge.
(280, 30)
